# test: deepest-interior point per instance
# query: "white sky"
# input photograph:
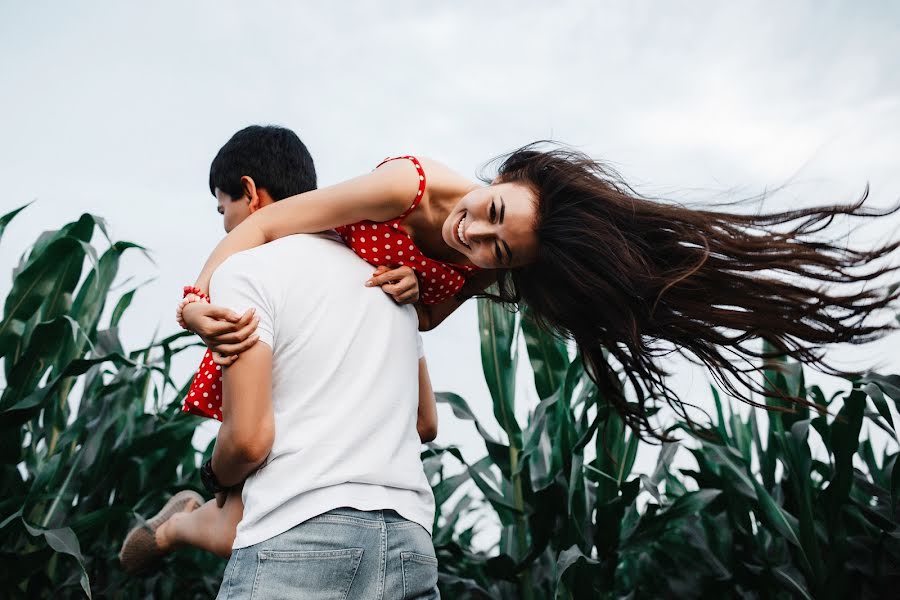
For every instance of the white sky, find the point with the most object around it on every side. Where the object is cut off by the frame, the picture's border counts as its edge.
(118, 108)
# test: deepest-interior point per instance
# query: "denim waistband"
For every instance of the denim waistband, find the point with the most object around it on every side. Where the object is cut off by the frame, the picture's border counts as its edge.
(387, 516)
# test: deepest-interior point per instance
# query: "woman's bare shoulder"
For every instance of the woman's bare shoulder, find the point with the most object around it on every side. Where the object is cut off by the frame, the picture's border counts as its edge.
(443, 179)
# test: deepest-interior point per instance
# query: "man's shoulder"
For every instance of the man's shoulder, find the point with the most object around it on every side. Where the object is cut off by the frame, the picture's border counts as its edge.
(264, 272)
(288, 257)
(289, 243)
(295, 247)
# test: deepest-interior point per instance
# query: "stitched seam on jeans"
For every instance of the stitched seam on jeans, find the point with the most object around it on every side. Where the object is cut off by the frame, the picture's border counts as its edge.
(383, 555)
(403, 525)
(345, 519)
(256, 577)
(359, 556)
(403, 572)
(422, 558)
(236, 554)
(297, 555)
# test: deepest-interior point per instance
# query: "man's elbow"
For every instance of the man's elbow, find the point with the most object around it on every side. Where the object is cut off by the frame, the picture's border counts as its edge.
(427, 432)
(252, 453)
(255, 447)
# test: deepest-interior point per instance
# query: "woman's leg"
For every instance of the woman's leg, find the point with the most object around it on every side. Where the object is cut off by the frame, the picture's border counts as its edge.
(209, 527)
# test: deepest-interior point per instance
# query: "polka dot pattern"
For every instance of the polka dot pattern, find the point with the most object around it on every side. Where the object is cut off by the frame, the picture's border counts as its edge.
(376, 245)
(373, 242)
(201, 400)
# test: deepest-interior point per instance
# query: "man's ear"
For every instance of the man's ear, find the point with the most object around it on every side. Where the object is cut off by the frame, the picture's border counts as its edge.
(251, 194)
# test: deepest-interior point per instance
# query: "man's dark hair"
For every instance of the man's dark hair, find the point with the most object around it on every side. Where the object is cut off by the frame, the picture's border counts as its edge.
(273, 156)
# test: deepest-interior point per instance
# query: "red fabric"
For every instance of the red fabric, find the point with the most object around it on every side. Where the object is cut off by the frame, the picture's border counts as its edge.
(204, 398)
(385, 243)
(189, 289)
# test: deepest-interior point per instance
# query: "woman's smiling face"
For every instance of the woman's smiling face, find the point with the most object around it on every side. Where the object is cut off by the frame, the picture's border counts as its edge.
(493, 226)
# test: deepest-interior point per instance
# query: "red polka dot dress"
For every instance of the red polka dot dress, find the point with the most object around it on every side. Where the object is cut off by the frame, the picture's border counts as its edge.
(378, 243)
(387, 243)
(204, 398)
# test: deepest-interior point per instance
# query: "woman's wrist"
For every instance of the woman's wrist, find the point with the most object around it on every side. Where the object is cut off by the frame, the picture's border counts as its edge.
(202, 283)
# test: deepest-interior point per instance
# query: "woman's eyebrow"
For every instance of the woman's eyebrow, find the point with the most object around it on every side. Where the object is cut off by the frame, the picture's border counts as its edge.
(508, 252)
(502, 209)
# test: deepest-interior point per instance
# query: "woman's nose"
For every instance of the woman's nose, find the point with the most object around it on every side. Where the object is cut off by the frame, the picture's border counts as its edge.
(479, 230)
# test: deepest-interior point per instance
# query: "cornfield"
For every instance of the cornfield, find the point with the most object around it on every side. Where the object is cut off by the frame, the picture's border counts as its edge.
(796, 505)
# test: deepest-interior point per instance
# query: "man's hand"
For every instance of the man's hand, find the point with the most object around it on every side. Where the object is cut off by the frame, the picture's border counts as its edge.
(400, 283)
(223, 331)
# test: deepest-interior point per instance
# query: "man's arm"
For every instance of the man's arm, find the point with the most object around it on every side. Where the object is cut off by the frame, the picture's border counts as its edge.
(426, 422)
(248, 427)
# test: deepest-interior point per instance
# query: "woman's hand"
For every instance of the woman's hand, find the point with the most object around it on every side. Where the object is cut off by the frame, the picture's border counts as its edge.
(400, 283)
(223, 331)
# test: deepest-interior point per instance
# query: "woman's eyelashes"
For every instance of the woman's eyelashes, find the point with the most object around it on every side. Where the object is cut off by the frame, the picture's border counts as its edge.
(493, 217)
(493, 211)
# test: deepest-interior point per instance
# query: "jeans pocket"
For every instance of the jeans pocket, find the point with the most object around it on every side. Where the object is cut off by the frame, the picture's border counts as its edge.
(419, 575)
(313, 574)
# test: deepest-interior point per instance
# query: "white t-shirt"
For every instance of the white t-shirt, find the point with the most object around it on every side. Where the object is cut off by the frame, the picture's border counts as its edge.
(344, 386)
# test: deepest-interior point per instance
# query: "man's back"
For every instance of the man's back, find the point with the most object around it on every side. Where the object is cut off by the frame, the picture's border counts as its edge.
(344, 387)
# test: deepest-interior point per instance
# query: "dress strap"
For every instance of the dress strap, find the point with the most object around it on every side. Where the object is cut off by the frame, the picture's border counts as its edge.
(420, 171)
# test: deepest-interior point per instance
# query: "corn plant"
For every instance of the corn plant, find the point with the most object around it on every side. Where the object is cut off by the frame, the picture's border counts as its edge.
(92, 438)
(579, 525)
(90, 432)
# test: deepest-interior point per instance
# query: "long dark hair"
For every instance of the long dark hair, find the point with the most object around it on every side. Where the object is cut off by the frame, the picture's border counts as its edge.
(637, 278)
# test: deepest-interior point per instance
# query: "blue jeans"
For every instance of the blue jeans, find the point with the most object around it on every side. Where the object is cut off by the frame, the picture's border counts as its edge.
(343, 554)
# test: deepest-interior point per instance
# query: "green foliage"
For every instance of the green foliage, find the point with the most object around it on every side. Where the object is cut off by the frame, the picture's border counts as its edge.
(86, 433)
(798, 505)
(752, 520)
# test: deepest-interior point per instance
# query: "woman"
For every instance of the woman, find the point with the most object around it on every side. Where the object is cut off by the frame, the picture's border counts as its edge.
(599, 264)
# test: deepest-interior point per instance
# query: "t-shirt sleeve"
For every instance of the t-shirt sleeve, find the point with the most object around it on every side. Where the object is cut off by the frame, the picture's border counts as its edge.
(420, 347)
(238, 284)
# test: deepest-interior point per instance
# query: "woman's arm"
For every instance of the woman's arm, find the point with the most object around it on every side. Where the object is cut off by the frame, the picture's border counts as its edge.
(426, 422)
(432, 315)
(378, 196)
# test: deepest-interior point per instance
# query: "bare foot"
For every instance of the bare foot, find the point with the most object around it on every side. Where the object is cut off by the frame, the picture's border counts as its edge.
(142, 549)
(167, 533)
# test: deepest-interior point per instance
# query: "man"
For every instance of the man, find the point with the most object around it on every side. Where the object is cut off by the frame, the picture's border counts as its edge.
(320, 418)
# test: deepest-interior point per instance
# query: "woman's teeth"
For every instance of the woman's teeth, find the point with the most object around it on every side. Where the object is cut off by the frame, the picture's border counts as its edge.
(459, 232)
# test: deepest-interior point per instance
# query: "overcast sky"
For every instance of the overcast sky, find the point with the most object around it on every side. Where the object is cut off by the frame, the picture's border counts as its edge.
(118, 108)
